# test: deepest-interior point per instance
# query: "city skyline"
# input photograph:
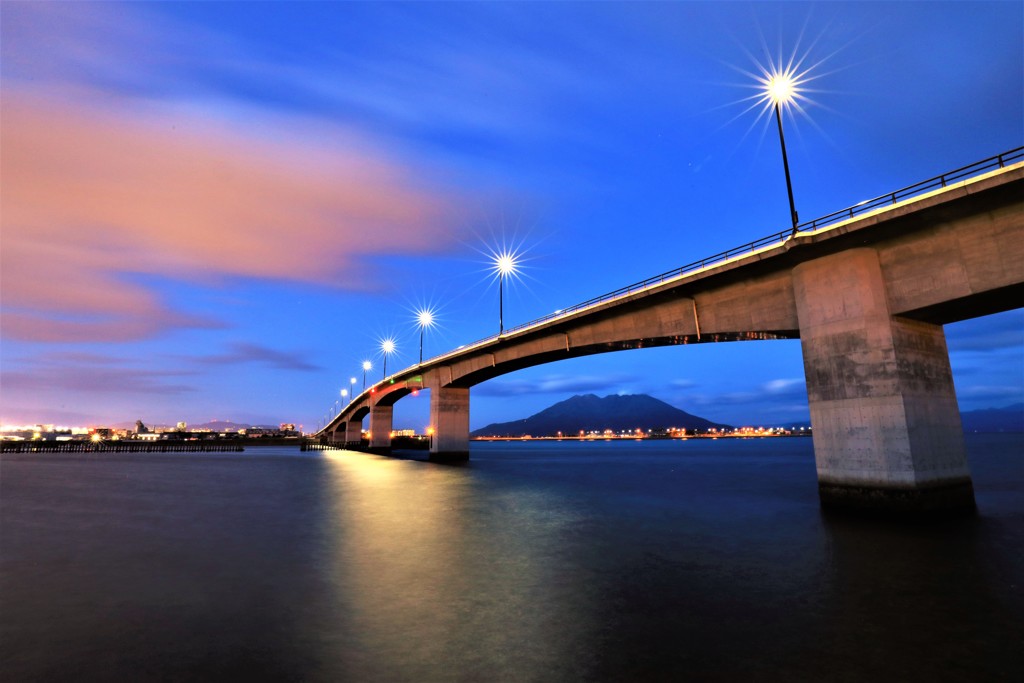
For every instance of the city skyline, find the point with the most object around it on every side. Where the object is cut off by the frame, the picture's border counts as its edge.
(221, 211)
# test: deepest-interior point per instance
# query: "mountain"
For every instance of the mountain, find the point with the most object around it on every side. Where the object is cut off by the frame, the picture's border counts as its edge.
(1008, 419)
(590, 412)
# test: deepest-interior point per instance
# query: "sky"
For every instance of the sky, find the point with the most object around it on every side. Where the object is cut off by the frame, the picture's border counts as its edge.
(218, 210)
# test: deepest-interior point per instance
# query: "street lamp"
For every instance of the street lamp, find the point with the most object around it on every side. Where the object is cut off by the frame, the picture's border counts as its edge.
(367, 365)
(344, 395)
(781, 89)
(352, 381)
(387, 347)
(505, 263)
(425, 318)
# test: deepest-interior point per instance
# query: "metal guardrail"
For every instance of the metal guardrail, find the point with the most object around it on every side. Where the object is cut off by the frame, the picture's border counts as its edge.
(938, 182)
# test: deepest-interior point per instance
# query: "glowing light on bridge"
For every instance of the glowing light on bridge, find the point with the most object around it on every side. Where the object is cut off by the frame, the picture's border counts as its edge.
(781, 87)
(424, 318)
(504, 263)
(387, 347)
(367, 365)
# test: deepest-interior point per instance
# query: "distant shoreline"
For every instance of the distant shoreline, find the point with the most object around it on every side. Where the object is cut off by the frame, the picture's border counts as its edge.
(639, 438)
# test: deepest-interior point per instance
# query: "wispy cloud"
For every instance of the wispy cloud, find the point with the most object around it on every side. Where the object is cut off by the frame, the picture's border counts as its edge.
(103, 177)
(986, 334)
(90, 375)
(89, 193)
(554, 384)
(243, 352)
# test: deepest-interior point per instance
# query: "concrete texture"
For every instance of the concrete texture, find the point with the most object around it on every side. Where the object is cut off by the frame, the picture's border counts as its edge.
(380, 427)
(449, 417)
(880, 388)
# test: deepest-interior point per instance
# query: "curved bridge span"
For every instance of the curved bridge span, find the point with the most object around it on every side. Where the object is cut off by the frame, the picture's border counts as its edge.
(866, 290)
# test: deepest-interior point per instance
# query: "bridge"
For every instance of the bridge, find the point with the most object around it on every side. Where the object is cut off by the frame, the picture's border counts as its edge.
(866, 290)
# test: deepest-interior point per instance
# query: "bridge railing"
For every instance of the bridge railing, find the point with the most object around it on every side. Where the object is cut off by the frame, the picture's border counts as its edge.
(938, 182)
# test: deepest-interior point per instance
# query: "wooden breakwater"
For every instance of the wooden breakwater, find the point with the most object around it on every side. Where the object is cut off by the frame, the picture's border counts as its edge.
(120, 447)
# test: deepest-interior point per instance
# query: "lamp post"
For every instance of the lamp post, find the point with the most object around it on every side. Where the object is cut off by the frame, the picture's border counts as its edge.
(387, 347)
(352, 382)
(780, 91)
(425, 318)
(344, 395)
(505, 264)
(367, 365)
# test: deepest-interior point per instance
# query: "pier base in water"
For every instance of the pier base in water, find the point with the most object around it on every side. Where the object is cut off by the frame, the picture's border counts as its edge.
(449, 456)
(887, 431)
(947, 499)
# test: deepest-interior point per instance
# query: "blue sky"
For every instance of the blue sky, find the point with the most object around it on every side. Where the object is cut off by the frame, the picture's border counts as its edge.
(217, 210)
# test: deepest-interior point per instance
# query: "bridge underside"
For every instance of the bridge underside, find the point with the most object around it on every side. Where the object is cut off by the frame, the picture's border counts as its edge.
(550, 356)
(974, 305)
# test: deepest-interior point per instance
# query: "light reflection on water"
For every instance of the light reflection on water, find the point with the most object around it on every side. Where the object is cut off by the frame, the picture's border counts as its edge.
(433, 575)
(534, 562)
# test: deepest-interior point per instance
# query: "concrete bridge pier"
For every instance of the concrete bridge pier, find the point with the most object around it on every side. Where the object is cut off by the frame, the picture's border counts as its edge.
(449, 416)
(887, 432)
(353, 432)
(348, 432)
(380, 428)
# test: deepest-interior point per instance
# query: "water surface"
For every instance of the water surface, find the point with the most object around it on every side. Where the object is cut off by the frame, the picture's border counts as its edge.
(554, 561)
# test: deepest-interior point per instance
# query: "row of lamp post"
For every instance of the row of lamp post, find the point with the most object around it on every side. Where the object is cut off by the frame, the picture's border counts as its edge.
(780, 90)
(504, 264)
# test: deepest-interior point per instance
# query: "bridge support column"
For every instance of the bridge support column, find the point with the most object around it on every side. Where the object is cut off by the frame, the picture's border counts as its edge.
(353, 432)
(380, 428)
(887, 432)
(449, 416)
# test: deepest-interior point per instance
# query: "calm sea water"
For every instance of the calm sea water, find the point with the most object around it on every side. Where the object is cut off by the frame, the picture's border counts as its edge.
(625, 561)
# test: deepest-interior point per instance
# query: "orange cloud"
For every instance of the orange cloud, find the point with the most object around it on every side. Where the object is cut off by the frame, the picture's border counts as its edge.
(91, 188)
